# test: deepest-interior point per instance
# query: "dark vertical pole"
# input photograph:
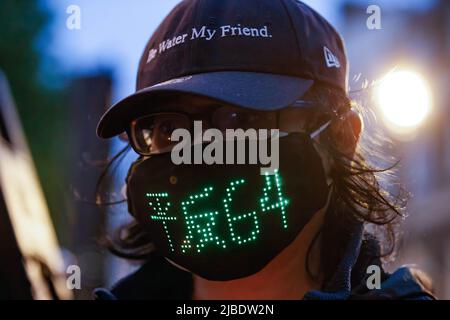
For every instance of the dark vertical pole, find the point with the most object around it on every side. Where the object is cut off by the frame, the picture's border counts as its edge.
(89, 96)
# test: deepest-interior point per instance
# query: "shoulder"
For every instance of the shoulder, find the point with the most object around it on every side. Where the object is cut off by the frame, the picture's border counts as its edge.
(155, 279)
(361, 276)
(405, 283)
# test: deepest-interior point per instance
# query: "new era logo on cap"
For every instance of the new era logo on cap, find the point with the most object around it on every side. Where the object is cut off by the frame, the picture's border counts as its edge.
(330, 59)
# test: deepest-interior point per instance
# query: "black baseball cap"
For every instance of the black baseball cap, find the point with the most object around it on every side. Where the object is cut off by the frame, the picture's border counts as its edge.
(258, 54)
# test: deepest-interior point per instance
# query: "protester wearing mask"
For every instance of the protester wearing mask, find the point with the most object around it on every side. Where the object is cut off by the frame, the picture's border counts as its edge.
(233, 231)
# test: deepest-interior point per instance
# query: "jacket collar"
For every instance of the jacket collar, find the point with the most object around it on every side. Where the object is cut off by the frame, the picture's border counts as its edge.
(158, 279)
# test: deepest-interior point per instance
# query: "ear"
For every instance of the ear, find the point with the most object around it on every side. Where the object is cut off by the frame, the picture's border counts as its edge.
(346, 132)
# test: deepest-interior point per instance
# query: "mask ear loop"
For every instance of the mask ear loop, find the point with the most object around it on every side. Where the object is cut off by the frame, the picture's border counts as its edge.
(315, 134)
(322, 128)
(318, 131)
(329, 181)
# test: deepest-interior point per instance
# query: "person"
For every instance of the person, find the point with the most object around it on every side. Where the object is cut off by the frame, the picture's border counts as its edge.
(219, 229)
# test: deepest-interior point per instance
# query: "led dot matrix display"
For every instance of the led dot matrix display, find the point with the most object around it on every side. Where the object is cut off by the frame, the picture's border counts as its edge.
(201, 225)
(233, 218)
(161, 213)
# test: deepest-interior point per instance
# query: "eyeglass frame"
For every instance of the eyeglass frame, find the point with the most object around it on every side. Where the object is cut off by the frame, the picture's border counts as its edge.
(304, 104)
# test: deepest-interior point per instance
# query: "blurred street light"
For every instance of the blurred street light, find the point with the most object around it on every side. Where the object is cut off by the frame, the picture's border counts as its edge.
(404, 99)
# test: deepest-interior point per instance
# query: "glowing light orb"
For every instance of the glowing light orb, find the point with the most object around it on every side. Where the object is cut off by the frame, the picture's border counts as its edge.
(404, 99)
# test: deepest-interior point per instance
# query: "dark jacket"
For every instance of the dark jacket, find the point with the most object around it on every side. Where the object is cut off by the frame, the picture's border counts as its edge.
(158, 279)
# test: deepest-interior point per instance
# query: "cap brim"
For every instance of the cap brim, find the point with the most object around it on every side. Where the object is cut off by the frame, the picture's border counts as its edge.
(260, 91)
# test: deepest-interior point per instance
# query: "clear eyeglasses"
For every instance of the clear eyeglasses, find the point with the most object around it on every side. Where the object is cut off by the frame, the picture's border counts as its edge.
(151, 134)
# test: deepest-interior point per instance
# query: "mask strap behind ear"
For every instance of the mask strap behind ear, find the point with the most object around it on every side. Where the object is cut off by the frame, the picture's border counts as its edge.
(321, 129)
(316, 133)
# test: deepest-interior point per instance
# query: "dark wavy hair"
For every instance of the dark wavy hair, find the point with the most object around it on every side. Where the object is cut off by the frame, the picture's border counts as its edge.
(363, 191)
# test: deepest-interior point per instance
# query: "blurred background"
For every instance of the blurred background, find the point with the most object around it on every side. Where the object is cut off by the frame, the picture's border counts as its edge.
(63, 74)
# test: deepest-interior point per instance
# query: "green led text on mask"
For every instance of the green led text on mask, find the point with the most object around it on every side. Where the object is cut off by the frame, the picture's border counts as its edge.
(201, 226)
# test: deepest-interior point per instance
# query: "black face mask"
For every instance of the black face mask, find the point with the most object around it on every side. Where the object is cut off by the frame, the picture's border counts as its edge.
(224, 222)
